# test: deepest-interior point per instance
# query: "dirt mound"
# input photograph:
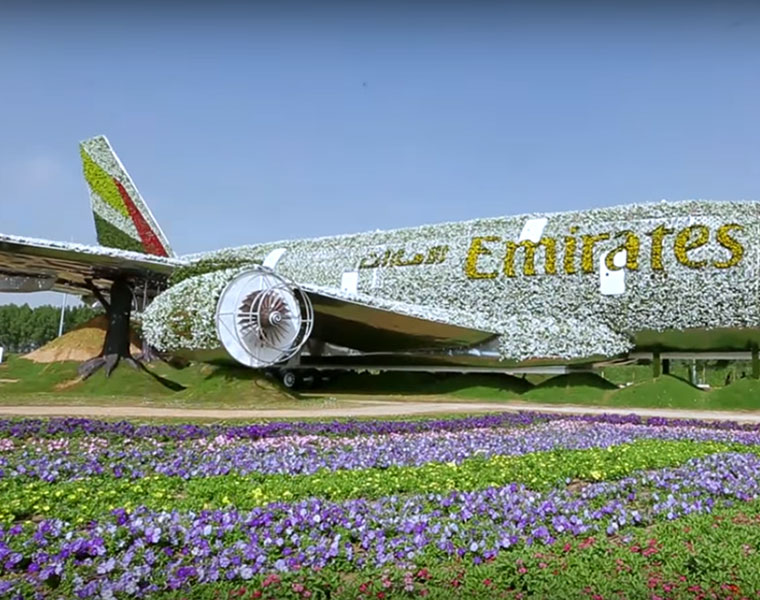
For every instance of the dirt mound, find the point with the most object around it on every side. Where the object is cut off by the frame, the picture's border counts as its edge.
(79, 344)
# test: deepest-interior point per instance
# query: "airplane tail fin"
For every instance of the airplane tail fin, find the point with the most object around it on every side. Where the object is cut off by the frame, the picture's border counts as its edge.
(122, 218)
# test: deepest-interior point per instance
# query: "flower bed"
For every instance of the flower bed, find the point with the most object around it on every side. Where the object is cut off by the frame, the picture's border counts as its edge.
(480, 506)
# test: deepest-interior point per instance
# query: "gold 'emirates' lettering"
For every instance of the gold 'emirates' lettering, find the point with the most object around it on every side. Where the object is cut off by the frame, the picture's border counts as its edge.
(687, 240)
(587, 254)
(570, 244)
(529, 262)
(684, 243)
(477, 249)
(658, 236)
(630, 246)
(725, 240)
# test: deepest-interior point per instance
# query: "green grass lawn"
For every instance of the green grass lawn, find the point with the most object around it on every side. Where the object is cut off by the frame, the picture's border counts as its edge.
(583, 388)
(632, 387)
(206, 386)
(159, 384)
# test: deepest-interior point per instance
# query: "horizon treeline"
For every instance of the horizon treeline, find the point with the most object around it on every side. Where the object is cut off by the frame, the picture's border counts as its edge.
(23, 329)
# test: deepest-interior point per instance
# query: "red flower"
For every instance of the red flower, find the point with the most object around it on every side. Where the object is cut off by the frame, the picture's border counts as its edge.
(487, 581)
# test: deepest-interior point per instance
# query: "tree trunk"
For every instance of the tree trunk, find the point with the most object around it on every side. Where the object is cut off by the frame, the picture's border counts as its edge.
(120, 310)
(116, 345)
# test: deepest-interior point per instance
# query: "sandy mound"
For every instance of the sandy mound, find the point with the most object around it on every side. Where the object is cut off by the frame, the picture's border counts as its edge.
(79, 344)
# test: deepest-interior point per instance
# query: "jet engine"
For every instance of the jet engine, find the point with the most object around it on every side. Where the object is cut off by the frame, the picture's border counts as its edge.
(262, 318)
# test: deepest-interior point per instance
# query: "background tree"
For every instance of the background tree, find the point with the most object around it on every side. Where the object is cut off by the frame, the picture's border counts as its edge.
(23, 329)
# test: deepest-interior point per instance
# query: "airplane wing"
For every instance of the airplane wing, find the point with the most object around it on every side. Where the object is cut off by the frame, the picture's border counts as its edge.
(29, 265)
(352, 323)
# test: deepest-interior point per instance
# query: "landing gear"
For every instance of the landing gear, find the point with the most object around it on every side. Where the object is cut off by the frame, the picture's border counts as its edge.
(289, 380)
(301, 379)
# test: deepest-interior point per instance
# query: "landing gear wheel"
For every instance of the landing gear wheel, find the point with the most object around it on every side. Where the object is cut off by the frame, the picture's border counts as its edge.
(289, 380)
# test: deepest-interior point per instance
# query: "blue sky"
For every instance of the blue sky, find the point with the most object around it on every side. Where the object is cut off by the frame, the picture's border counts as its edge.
(243, 125)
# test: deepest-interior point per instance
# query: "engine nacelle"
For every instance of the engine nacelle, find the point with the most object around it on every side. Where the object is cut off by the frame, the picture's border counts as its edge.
(262, 318)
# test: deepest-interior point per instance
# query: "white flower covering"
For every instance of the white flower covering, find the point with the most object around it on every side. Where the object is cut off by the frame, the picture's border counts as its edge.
(559, 315)
(183, 316)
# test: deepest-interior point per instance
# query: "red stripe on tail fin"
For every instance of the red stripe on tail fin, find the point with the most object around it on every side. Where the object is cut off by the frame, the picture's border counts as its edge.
(149, 239)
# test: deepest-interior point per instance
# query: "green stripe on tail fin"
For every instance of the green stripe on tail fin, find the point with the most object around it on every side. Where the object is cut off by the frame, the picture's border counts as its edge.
(113, 237)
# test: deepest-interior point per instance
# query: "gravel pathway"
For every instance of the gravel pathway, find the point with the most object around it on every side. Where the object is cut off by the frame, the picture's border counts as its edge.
(366, 408)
